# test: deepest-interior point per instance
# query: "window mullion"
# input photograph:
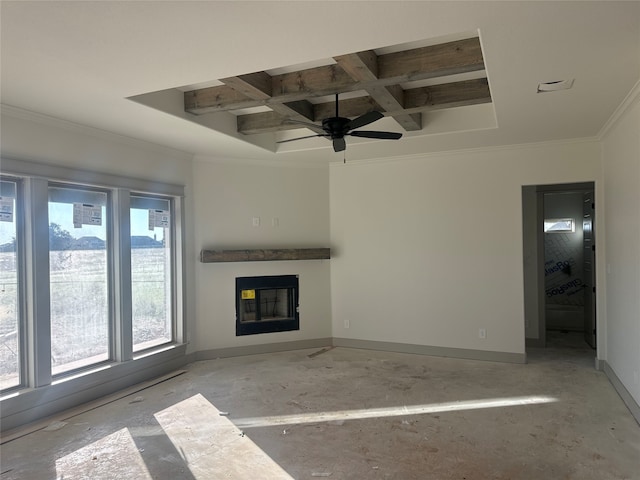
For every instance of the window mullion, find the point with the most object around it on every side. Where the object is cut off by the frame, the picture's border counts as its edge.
(122, 307)
(37, 292)
(179, 260)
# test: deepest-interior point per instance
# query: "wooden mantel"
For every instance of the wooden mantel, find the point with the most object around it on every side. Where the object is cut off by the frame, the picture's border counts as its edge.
(264, 255)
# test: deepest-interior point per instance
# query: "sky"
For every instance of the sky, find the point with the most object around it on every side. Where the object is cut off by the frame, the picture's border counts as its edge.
(62, 214)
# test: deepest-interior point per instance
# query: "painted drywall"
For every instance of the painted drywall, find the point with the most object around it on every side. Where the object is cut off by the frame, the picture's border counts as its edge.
(29, 136)
(621, 162)
(292, 205)
(428, 250)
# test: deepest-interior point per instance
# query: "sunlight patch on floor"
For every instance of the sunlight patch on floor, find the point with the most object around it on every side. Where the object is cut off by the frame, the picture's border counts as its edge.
(212, 446)
(343, 415)
(104, 459)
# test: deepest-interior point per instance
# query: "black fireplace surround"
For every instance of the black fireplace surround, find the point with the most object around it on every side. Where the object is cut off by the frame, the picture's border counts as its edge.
(266, 304)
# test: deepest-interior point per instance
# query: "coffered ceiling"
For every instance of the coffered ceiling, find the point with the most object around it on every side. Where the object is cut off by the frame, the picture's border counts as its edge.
(218, 79)
(387, 82)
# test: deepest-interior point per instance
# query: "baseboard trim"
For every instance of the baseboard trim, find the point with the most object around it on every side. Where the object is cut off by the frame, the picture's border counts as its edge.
(626, 397)
(534, 343)
(263, 348)
(462, 353)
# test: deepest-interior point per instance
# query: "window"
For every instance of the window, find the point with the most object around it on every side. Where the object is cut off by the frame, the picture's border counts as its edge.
(90, 268)
(78, 278)
(151, 275)
(10, 324)
(559, 225)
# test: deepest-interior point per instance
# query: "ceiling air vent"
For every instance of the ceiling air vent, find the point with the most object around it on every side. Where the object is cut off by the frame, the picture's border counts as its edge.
(555, 86)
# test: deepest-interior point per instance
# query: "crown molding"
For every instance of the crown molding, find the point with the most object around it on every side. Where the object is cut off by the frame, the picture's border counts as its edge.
(631, 99)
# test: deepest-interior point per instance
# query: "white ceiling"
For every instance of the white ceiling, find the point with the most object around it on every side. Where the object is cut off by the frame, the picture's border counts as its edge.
(82, 61)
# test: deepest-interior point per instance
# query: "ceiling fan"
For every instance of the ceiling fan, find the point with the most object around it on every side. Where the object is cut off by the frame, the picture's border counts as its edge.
(336, 128)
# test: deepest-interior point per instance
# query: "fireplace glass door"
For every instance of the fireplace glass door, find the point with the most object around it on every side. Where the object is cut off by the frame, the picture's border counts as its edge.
(266, 304)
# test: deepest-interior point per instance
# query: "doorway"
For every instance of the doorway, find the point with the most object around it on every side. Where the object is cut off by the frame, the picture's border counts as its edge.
(559, 264)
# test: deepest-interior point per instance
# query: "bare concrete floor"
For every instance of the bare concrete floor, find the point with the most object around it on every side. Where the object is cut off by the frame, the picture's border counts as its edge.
(350, 414)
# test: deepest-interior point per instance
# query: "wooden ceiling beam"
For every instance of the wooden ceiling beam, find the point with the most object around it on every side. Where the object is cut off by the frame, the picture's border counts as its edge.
(416, 100)
(258, 86)
(441, 60)
(392, 99)
(349, 108)
(217, 99)
(272, 121)
(299, 110)
(393, 68)
(448, 95)
(254, 85)
(264, 122)
(363, 67)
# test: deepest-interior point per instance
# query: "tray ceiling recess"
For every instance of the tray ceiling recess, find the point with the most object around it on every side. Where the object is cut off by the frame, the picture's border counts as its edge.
(402, 83)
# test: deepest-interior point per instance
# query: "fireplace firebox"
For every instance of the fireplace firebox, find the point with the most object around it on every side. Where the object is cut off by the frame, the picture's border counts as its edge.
(266, 304)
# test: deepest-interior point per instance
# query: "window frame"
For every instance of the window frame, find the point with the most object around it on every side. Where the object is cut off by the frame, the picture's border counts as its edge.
(172, 271)
(109, 220)
(21, 304)
(32, 182)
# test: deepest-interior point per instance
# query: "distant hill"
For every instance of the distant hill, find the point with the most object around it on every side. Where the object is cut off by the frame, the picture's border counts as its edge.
(8, 247)
(90, 243)
(87, 243)
(141, 241)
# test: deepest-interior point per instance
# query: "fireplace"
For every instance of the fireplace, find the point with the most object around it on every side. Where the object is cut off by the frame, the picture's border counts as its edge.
(266, 304)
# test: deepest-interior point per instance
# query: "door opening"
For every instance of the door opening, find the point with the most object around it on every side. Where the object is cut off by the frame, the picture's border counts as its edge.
(559, 263)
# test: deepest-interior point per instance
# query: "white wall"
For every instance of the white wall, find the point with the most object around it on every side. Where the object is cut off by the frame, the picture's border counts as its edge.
(29, 136)
(228, 195)
(621, 161)
(429, 249)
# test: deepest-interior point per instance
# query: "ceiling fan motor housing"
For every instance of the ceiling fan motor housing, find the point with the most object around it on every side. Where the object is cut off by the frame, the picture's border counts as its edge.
(337, 127)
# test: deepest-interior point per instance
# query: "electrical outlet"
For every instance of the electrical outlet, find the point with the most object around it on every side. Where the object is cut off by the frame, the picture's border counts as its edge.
(482, 333)
(346, 323)
(256, 221)
(275, 222)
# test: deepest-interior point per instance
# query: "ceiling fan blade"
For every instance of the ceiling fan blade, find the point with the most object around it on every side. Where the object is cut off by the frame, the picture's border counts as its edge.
(339, 144)
(374, 134)
(306, 124)
(301, 138)
(365, 119)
